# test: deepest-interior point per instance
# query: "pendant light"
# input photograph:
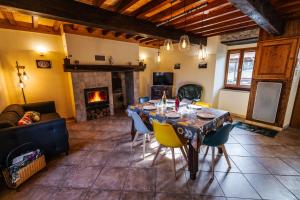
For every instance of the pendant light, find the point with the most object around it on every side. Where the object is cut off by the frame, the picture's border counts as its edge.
(168, 44)
(158, 52)
(184, 42)
(202, 55)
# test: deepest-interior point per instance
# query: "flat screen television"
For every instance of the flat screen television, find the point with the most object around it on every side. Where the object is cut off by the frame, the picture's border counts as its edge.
(162, 78)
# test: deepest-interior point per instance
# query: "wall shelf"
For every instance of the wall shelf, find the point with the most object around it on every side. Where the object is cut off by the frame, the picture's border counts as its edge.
(102, 68)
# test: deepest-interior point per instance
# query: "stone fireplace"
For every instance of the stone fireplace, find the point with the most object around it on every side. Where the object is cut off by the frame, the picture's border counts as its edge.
(96, 102)
(93, 95)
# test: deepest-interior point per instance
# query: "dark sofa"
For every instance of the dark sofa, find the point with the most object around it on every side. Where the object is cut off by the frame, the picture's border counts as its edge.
(50, 133)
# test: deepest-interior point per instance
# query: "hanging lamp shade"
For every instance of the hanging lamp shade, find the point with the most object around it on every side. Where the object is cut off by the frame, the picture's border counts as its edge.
(184, 43)
(158, 56)
(168, 45)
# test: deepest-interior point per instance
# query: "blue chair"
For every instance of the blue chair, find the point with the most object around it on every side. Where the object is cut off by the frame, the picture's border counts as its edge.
(218, 138)
(141, 129)
(144, 99)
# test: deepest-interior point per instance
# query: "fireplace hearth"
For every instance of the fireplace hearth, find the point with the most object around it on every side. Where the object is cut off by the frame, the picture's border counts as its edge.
(96, 102)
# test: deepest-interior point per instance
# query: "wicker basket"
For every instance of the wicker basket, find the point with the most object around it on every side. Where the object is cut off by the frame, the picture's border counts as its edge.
(25, 172)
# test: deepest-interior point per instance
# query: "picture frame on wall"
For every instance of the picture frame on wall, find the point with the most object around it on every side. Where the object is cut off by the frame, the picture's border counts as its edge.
(43, 64)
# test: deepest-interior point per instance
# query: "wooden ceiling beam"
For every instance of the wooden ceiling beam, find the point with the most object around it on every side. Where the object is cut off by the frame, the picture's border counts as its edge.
(124, 5)
(71, 12)
(35, 21)
(9, 16)
(224, 25)
(138, 37)
(146, 40)
(129, 36)
(56, 25)
(263, 13)
(212, 6)
(117, 34)
(211, 15)
(98, 3)
(218, 20)
(75, 26)
(105, 32)
(149, 7)
(234, 28)
(176, 10)
(91, 29)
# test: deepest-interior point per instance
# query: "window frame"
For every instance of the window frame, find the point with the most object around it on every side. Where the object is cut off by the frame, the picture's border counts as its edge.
(238, 85)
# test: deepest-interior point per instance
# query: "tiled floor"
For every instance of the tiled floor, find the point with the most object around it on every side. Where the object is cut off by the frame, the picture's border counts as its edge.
(101, 165)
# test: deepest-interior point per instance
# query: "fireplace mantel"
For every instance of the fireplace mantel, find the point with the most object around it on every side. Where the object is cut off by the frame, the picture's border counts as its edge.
(102, 68)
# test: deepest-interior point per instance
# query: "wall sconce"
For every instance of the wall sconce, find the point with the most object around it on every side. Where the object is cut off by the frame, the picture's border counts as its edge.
(41, 50)
(22, 75)
(158, 56)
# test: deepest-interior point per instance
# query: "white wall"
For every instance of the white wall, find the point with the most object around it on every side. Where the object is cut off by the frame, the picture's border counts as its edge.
(149, 55)
(84, 49)
(293, 93)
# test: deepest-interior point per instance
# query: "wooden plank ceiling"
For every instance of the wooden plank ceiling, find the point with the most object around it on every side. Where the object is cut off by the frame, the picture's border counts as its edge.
(203, 18)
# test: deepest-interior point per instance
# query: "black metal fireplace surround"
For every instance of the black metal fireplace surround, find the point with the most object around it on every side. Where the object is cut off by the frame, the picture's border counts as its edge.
(96, 102)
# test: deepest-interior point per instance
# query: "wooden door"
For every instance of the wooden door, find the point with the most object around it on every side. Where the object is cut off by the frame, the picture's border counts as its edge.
(295, 121)
(275, 59)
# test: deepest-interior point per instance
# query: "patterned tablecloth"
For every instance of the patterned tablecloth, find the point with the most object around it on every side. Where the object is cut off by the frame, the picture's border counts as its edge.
(189, 125)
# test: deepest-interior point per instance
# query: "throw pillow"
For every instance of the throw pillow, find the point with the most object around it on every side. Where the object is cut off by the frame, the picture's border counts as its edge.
(34, 116)
(24, 121)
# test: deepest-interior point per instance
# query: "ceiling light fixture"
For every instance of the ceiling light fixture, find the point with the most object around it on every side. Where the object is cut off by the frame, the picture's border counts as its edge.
(202, 55)
(184, 42)
(168, 44)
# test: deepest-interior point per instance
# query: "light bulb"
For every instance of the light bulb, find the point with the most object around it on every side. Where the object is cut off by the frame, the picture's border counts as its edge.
(168, 47)
(25, 77)
(184, 44)
(158, 57)
(21, 84)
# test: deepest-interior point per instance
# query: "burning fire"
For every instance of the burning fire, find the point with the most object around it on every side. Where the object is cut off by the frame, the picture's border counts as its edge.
(96, 96)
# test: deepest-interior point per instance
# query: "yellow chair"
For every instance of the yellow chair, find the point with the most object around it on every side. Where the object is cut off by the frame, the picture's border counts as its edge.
(203, 104)
(167, 137)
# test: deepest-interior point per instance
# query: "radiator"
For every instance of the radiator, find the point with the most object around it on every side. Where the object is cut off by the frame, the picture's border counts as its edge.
(266, 101)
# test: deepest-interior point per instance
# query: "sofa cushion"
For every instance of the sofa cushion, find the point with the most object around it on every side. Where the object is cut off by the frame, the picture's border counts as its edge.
(49, 116)
(18, 109)
(9, 119)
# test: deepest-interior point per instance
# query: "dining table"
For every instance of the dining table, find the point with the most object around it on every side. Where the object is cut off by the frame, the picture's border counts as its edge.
(191, 123)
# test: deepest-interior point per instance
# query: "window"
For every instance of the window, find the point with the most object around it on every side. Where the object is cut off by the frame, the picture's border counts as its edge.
(239, 68)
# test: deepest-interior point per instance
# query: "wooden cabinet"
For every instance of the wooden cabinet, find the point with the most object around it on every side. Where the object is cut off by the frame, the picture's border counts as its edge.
(275, 59)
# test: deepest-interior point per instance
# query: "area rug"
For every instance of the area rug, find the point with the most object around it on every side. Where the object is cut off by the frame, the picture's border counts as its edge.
(256, 129)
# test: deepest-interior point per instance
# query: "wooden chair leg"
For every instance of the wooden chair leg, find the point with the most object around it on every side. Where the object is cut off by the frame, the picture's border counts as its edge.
(213, 163)
(144, 145)
(134, 140)
(158, 150)
(184, 154)
(226, 155)
(174, 161)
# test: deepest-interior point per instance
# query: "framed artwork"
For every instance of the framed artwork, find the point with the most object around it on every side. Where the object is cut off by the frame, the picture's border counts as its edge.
(177, 66)
(43, 64)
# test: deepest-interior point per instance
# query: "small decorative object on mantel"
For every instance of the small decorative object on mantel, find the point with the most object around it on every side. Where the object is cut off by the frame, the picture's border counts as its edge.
(129, 63)
(111, 60)
(76, 62)
(177, 66)
(43, 64)
(67, 61)
(142, 66)
(202, 65)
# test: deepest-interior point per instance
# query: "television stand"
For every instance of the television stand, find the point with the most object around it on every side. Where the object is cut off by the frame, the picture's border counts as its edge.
(158, 90)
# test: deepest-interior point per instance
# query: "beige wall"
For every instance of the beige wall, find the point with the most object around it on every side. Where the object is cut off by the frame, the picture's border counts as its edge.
(43, 84)
(149, 55)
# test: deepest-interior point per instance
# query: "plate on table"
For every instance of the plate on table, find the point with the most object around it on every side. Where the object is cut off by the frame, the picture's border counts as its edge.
(173, 115)
(154, 101)
(195, 107)
(205, 115)
(150, 107)
(170, 100)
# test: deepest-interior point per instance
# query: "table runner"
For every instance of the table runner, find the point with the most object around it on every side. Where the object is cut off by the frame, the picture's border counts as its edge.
(188, 126)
